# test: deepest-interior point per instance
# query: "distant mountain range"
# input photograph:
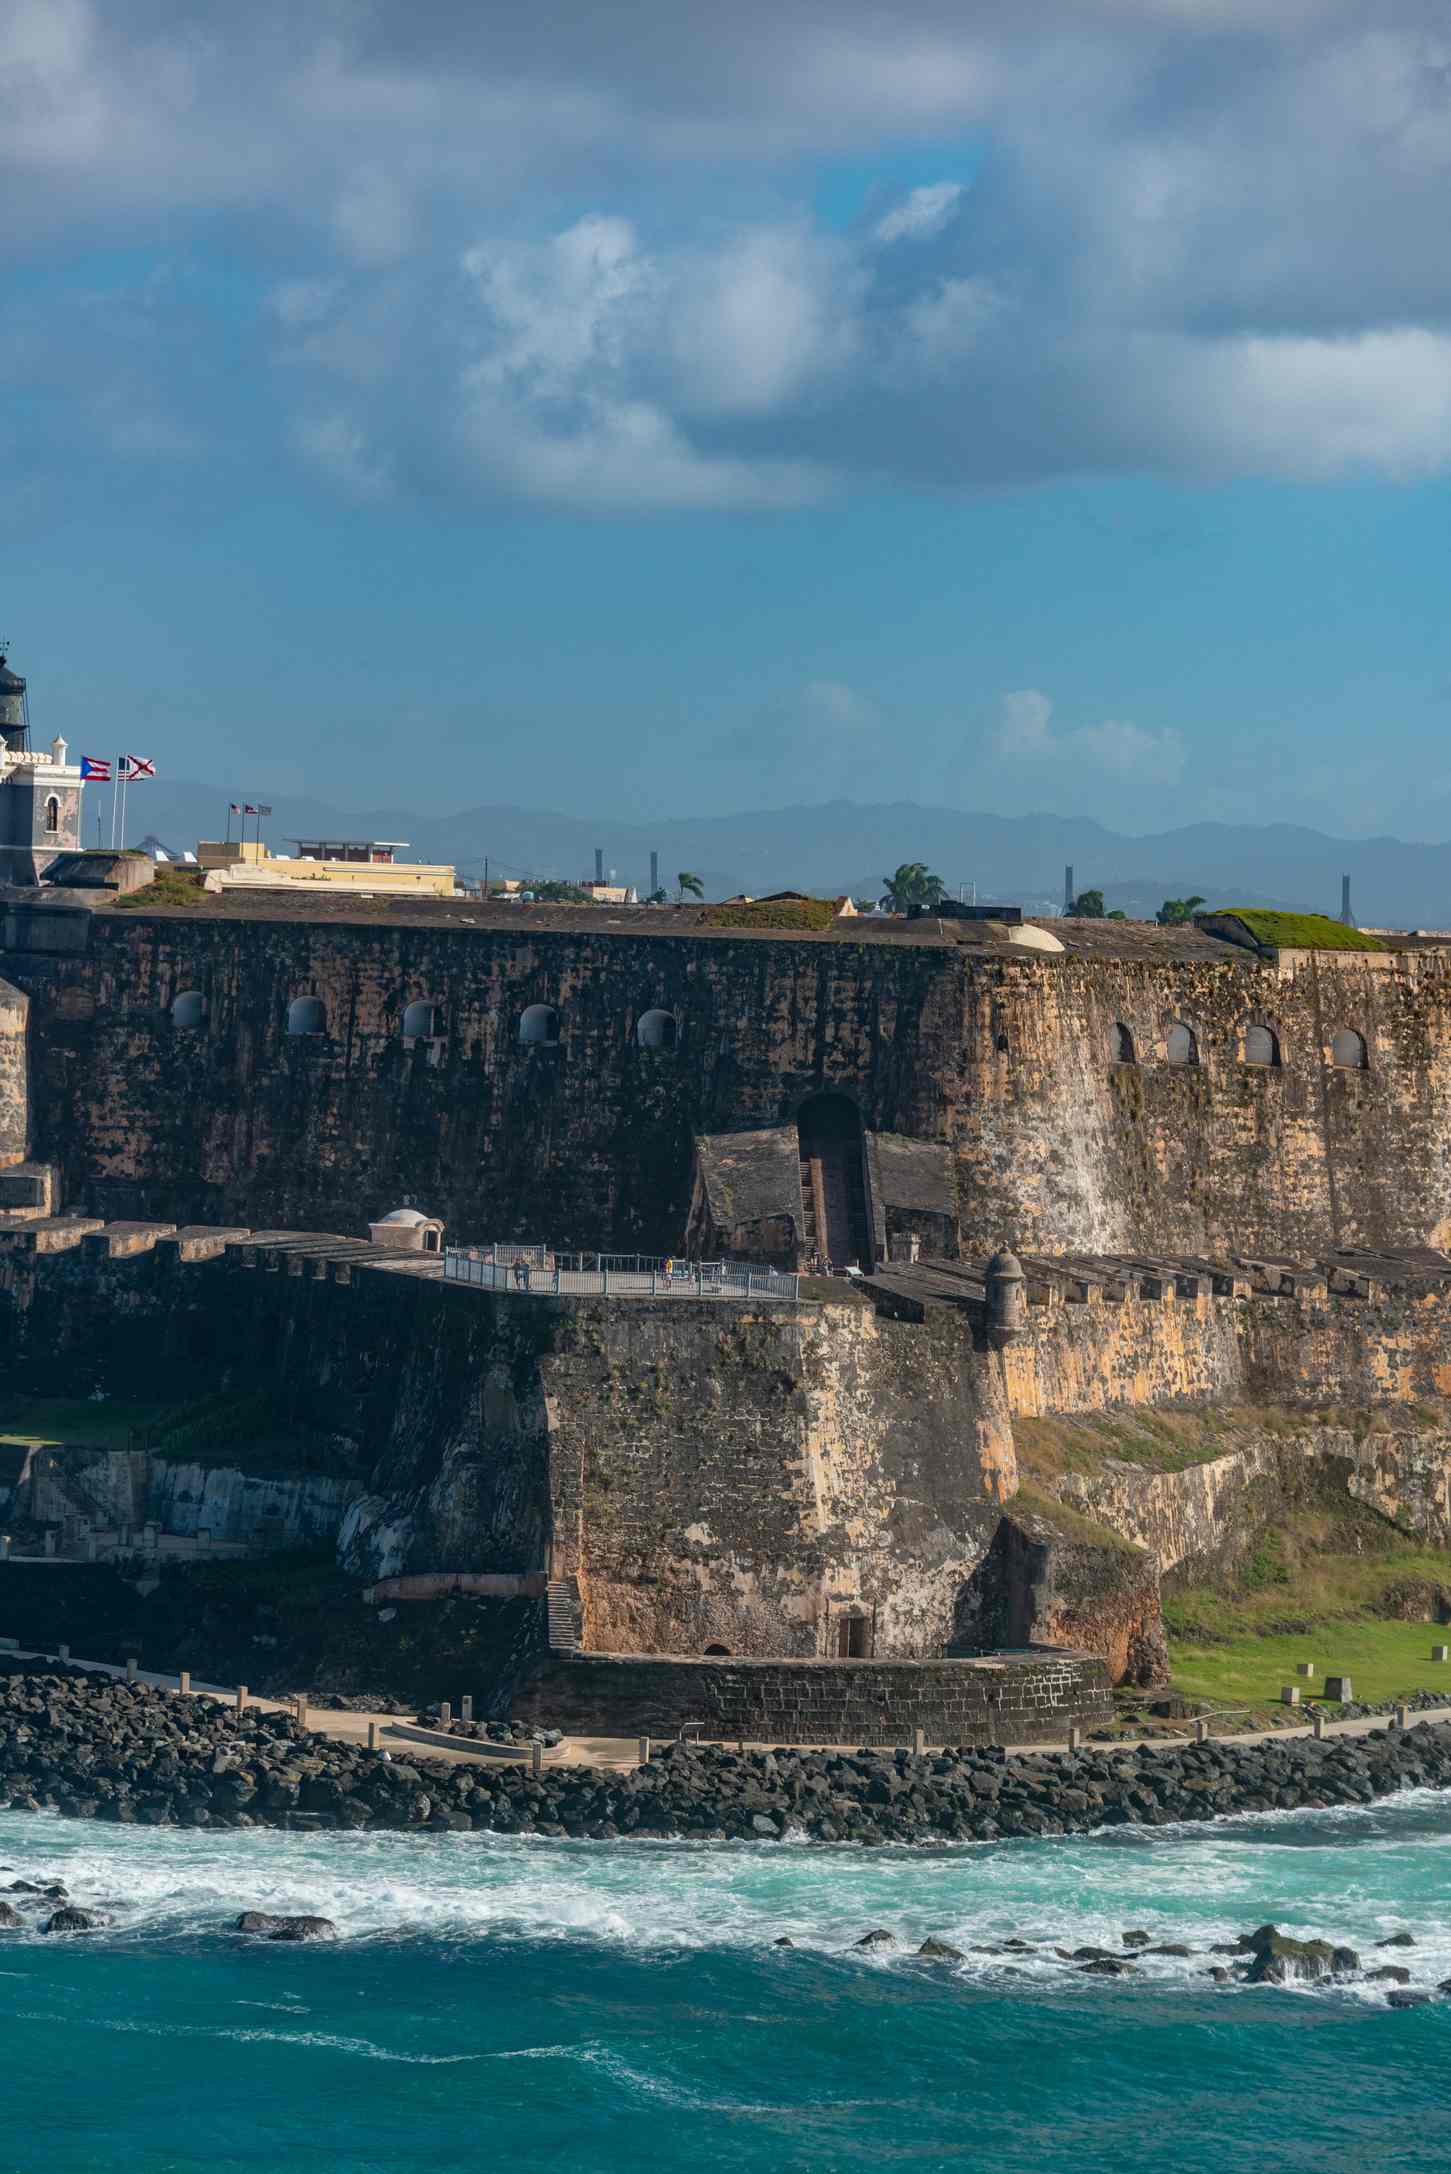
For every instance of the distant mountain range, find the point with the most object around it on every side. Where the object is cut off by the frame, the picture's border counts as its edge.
(843, 846)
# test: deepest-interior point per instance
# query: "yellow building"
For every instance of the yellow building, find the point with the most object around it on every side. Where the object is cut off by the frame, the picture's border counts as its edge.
(338, 864)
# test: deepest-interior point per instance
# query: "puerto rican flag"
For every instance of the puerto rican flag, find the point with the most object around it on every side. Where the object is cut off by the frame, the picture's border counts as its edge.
(136, 766)
(96, 768)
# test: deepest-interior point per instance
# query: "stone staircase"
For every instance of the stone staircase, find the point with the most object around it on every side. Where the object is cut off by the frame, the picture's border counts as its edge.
(565, 1625)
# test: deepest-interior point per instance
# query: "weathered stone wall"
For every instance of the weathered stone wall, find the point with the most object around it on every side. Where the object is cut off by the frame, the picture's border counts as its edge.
(14, 1076)
(712, 1473)
(1401, 1470)
(121, 1489)
(1312, 1350)
(1022, 1701)
(1006, 1060)
(752, 1477)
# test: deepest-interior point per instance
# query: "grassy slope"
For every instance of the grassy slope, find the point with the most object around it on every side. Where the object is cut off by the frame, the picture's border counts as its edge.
(1171, 1441)
(1329, 1586)
(1383, 1660)
(229, 1428)
(1302, 931)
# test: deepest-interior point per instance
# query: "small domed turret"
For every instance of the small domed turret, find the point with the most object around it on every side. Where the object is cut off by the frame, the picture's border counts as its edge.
(1007, 1298)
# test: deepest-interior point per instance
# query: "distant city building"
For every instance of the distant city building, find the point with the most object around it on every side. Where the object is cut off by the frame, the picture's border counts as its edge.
(40, 793)
(342, 864)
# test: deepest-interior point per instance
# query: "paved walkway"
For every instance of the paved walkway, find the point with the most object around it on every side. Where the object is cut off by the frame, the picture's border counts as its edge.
(403, 1737)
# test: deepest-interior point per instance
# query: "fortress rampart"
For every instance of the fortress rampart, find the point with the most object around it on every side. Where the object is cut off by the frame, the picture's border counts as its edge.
(1042, 1084)
(838, 1476)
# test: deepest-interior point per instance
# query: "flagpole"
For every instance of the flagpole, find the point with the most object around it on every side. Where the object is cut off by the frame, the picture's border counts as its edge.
(115, 789)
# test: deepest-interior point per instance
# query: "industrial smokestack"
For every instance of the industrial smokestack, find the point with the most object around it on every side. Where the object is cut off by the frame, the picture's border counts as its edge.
(1068, 887)
(599, 864)
(1345, 913)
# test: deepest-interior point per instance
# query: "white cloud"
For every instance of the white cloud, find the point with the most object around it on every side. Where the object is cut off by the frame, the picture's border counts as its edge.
(924, 213)
(1024, 734)
(339, 447)
(833, 703)
(1203, 237)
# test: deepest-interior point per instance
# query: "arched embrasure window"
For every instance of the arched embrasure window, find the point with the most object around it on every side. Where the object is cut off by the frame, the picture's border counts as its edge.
(305, 1015)
(718, 1653)
(540, 1024)
(188, 1009)
(422, 1021)
(1261, 1045)
(1347, 1049)
(52, 814)
(1121, 1045)
(1181, 1044)
(657, 1030)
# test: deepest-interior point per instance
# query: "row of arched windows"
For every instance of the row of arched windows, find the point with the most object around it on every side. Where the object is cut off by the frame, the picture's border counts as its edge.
(1258, 1045)
(423, 1020)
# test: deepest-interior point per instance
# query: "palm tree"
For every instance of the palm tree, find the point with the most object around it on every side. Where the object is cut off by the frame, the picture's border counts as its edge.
(914, 888)
(686, 882)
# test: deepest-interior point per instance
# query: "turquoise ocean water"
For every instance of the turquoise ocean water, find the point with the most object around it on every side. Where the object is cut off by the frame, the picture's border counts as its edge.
(609, 2006)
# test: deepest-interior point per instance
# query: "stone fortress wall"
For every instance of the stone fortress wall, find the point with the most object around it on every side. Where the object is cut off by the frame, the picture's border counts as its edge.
(834, 1478)
(1046, 1081)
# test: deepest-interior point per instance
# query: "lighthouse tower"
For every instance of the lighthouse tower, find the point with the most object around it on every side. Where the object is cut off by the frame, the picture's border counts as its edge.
(40, 793)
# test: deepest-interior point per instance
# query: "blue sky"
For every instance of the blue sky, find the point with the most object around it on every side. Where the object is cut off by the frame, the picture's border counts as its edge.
(670, 409)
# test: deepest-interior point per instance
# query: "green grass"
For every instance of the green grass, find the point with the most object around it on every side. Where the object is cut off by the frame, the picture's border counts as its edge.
(243, 1428)
(1383, 1660)
(786, 913)
(39, 1422)
(1301, 931)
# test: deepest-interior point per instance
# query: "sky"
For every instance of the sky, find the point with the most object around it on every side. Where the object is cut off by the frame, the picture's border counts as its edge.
(665, 409)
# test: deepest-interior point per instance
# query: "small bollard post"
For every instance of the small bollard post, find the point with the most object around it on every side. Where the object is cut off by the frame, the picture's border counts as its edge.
(1403, 1717)
(919, 1742)
(372, 1736)
(183, 1682)
(1201, 1730)
(241, 1697)
(1289, 1694)
(466, 1707)
(1075, 1737)
(132, 1665)
(536, 1758)
(1317, 1722)
(644, 1751)
(445, 1712)
(300, 1708)
(63, 1653)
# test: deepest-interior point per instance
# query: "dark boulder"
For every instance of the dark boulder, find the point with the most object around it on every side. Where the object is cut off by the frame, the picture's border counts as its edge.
(940, 1951)
(272, 1927)
(70, 1919)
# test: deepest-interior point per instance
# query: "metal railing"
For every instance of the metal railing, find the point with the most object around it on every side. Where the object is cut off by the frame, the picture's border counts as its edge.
(538, 1272)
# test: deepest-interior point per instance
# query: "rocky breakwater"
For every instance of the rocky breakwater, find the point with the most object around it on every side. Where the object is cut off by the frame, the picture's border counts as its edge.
(91, 1748)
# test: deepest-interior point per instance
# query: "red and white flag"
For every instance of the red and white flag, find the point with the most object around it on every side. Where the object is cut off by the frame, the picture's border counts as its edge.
(136, 766)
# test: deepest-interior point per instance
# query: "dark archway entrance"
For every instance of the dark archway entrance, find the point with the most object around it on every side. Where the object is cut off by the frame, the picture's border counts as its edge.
(836, 1222)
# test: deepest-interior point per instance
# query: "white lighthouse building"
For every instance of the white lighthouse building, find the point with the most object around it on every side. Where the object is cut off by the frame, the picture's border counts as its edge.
(40, 791)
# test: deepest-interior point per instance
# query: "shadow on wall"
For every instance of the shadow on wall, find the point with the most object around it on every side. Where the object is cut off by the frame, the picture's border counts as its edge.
(1059, 1583)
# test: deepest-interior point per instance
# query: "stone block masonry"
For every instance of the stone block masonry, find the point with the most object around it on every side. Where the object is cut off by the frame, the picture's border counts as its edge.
(1006, 1060)
(1015, 1699)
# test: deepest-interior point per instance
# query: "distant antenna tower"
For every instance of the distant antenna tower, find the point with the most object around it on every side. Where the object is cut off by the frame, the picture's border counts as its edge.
(1345, 913)
(1068, 891)
(654, 873)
